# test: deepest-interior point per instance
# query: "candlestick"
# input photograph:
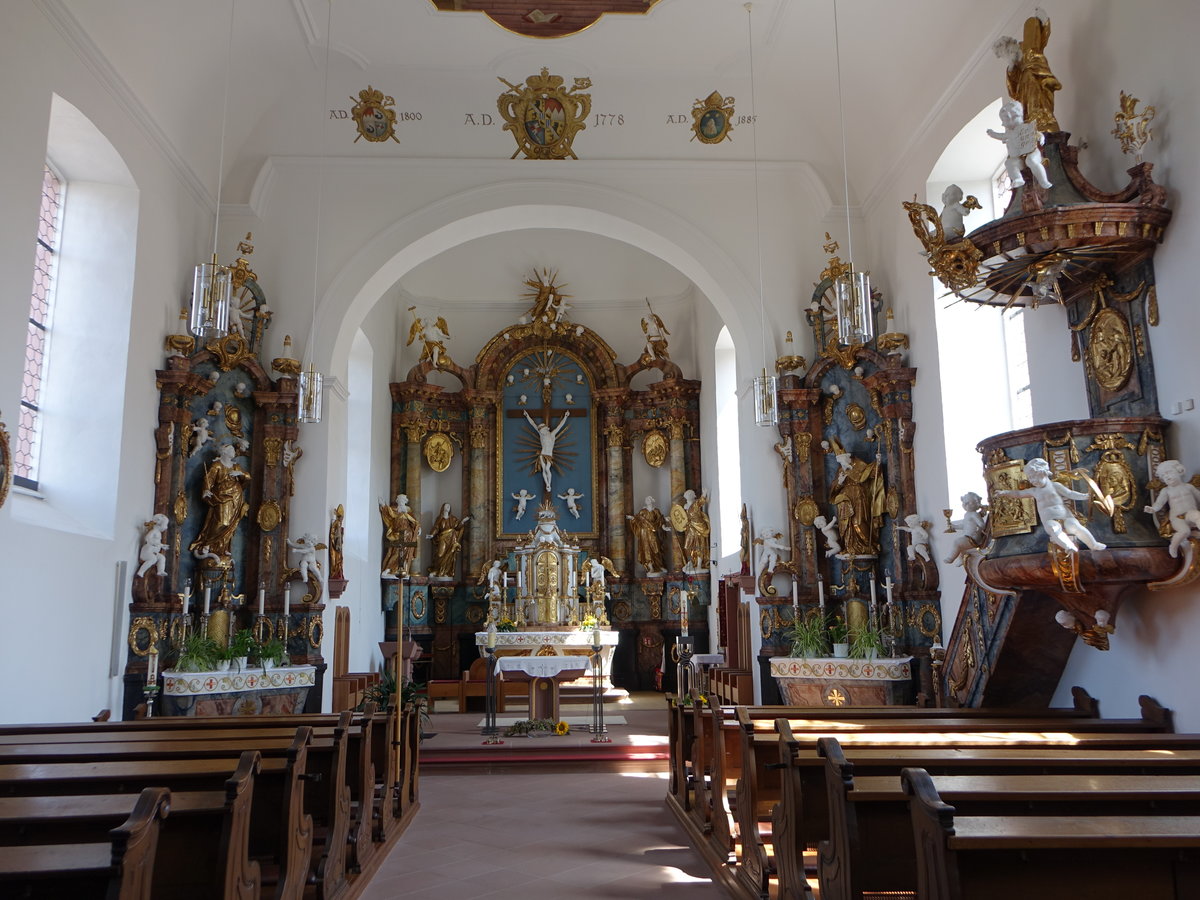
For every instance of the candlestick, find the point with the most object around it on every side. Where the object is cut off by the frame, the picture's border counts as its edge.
(262, 599)
(207, 598)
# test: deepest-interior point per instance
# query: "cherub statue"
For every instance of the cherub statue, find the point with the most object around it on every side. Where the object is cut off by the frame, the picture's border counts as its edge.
(153, 554)
(494, 577)
(522, 497)
(433, 338)
(774, 547)
(1023, 142)
(306, 546)
(1182, 499)
(969, 527)
(572, 498)
(200, 435)
(1057, 520)
(954, 209)
(832, 538)
(919, 533)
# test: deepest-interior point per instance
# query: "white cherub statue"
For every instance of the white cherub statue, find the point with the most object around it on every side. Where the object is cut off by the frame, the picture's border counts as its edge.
(1058, 522)
(200, 435)
(495, 578)
(1023, 142)
(774, 547)
(829, 529)
(306, 546)
(572, 497)
(153, 553)
(1182, 499)
(953, 211)
(969, 527)
(919, 533)
(522, 498)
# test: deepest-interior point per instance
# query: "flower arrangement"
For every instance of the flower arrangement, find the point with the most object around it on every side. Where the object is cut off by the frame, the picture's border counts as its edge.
(588, 623)
(506, 624)
(532, 727)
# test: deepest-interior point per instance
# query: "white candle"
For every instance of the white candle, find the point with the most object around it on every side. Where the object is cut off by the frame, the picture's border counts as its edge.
(795, 595)
(683, 613)
(491, 639)
(287, 601)
(821, 591)
(262, 600)
(207, 598)
(187, 596)
(872, 590)
(152, 667)
(887, 587)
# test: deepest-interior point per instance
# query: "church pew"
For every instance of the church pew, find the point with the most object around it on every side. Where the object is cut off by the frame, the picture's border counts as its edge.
(870, 847)
(801, 818)
(119, 868)
(203, 848)
(280, 825)
(1042, 857)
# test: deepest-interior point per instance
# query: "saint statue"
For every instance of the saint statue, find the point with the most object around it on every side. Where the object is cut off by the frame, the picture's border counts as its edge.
(647, 527)
(1029, 77)
(695, 535)
(446, 534)
(226, 499)
(858, 493)
(400, 532)
(337, 532)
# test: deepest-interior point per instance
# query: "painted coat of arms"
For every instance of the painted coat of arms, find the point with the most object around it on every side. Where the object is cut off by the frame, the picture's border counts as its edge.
(712, 118)
(374, 116)
(543, 116)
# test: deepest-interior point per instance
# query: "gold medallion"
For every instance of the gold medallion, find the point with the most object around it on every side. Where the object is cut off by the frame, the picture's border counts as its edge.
(269, 516)
(439, 451)
(712, 118)
(679, 517)
(654, 448)
(374, 116)
(1110, 350)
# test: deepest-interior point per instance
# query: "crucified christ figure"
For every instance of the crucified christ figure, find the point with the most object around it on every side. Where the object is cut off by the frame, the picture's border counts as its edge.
(548, 438)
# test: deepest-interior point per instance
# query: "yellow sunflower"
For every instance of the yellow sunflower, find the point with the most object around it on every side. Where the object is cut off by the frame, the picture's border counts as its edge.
(562, 728)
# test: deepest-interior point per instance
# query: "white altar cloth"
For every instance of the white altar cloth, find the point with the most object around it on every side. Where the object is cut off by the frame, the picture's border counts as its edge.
(542, 666)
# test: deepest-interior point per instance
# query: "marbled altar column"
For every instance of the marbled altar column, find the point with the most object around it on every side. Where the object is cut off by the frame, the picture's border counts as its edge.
(678, 486)
(614, 434)
(478, 431)
(413, 433)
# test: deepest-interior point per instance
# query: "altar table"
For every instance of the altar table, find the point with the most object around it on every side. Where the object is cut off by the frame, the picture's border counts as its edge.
(837, 681)
(573, 642)
(250, 692)
(543, 674)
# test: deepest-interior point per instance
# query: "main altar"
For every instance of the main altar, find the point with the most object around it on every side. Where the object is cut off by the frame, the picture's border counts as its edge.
(512, 494)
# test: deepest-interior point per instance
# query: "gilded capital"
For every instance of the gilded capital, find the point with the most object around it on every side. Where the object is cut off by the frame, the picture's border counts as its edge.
(414, 432)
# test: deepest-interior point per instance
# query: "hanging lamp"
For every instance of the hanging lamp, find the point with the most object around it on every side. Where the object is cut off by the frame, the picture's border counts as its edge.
(851, 289)
(212, 283)
(766, 402)
(311, 381)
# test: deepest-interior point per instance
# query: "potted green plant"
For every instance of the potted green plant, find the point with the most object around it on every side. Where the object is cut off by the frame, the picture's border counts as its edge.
(240, 647)
(866, 643)
(200, 653)
(271, 654)
(809, 636)
(839, 637)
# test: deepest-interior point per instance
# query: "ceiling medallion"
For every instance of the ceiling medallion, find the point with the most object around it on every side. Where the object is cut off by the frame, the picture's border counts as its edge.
(543, 116)
(545, 18)
(712, 118)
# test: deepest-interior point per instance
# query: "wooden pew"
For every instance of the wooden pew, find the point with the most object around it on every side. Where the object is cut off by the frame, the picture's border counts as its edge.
(277, 830)
(121, 868)
(870, 848)
(1036, 857)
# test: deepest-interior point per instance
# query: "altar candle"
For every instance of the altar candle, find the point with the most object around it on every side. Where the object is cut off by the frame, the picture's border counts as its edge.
(152, 667)
(207, 597)
(287, 601)
(262, 599)
(491, 639)
(795, 594)
(683, 614)
(872, 589)
(887, 587)
(596, 636)
(187, 596)
(821, 591)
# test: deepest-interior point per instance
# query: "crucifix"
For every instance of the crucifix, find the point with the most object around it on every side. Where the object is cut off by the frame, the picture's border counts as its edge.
(548, 424)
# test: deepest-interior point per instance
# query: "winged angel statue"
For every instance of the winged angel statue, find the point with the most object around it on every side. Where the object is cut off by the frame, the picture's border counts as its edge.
(433, 337)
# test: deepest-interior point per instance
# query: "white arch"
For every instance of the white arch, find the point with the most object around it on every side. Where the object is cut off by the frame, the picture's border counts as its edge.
(497, 208)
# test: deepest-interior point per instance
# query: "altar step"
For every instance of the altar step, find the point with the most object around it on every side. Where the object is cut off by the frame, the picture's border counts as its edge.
(524, 754)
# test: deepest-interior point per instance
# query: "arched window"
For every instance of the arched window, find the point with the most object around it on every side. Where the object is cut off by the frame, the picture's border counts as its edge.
(729, 459)
(984, 367)
(37, 340)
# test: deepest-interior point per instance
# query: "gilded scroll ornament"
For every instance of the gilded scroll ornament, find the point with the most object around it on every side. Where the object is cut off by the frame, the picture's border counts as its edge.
(1110, 350)
(857, 416)
(230, 351)
(269, 515)
(954, 263)
(181, 507)
(805, 511)
(439, 451)
(374, 116)
(139, 626)
(479, 437)
(1133, 127)
(654, 448)
(543, 116)
(439, 611)
(316, 631)
(418, 606)
(712, 118)
(272, 449)
(1114, 476)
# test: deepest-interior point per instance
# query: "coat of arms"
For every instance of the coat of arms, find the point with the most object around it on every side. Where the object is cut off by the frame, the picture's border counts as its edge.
(374, 116)
(712, 118)
(543, 116)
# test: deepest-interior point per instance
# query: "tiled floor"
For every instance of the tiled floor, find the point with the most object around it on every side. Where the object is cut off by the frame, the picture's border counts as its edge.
(551, 836)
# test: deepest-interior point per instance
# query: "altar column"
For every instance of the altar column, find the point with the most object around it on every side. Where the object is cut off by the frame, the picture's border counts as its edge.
(614, 432)
(678, 486)
(478, 430)
(413, 433)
